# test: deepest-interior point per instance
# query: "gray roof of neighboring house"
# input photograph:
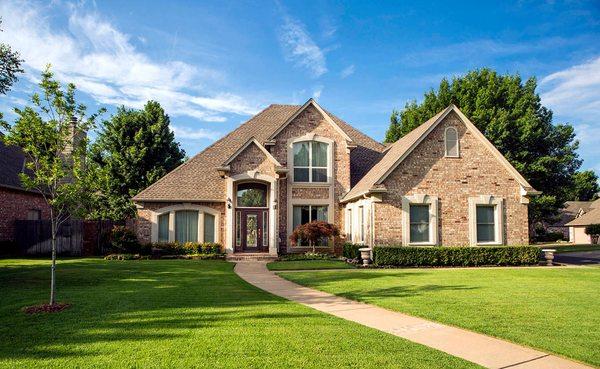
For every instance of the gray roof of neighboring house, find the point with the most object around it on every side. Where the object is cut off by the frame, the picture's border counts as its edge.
(198, 179)
(591, 216)
(12, 163)
(570, 211)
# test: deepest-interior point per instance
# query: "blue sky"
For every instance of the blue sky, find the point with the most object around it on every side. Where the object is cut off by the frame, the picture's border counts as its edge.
(213, 64)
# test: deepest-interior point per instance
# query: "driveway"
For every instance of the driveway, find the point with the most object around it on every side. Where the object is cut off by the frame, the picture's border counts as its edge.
(579, 258)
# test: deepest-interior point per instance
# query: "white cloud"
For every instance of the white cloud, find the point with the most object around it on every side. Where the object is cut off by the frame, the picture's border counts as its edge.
(300, 48)
(104, 63)
(574, 90)
(185, 133)
(317, 91)
(348, 71)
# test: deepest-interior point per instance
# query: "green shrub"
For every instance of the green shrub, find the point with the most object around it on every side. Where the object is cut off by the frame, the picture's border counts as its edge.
(456, 256)
(351, 251)
(307, 256)
(592, 229)
(188, 248)
(123, 240)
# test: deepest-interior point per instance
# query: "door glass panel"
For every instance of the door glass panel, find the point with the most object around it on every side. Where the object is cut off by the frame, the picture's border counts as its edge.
(251, 195)
(238, 228)
(251, 230)
(265, 233)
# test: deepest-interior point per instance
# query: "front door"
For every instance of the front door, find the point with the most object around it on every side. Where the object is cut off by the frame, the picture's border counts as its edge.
(254, 227)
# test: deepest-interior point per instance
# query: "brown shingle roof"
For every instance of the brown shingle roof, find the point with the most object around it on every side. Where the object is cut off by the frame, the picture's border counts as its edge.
(391, 156)
(198, 179)
(591, 217)
(570, 212)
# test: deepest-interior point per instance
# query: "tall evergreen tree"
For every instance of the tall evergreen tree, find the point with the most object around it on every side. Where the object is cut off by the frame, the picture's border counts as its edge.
(134, 149)
(509, 113)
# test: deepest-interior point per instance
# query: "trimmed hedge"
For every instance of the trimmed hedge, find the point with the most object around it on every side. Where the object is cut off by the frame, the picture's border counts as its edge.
(351, 250)
(188, 248)
(456, 256)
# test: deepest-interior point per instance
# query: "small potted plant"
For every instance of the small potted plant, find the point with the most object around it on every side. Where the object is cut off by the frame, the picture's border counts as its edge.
(593, 230)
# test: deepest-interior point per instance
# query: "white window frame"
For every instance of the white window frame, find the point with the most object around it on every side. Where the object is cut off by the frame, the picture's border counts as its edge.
(498, 204)
(311, 137)
(349, 228)
(420, 199)
(172, 209)
(360, 213)
(446, 143)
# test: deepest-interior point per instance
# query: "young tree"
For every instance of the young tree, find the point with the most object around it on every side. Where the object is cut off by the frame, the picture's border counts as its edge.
(509, 113)
(314, 232)
(135, 148)
(51, 134)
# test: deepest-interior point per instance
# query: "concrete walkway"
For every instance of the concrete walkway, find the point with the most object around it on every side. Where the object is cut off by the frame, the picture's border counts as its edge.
(478, 348)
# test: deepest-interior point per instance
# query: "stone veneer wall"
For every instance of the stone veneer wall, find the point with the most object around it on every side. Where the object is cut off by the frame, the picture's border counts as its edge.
(15, 205)
(453, 180)
(143, 224)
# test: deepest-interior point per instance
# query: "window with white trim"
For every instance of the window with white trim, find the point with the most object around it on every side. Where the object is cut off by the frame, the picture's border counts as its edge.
(302, 214)
(163, 227)
(310, 161)
(185, 224)
(419, 220)
(349, 225)
(451, 142)
(361, 223)
(485, 220)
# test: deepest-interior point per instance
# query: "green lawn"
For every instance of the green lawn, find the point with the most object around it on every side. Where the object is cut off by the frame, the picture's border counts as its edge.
(178, 314)
(553, 309)
(308, 265)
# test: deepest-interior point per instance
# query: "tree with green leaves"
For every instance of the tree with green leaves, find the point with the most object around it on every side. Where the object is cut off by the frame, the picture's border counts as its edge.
(585, 186)
(134, 149)
(509, 113)
(10, 66)
(52, 135)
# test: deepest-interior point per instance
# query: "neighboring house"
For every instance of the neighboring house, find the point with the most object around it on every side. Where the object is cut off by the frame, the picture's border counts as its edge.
(442, 184)
(571, 211)
(584, 218)
(16, 202)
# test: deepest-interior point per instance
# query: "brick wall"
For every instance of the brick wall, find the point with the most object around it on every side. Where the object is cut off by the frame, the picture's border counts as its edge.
(143, 223)
(311, 121)
(453, 180)
(252, 158)
(15, 205)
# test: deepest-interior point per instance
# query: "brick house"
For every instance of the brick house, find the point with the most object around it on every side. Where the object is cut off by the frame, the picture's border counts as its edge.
(442, 184)
(17, 203)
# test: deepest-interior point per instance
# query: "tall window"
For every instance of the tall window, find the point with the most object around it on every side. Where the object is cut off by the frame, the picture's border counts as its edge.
(419, 223)
(486, 225)
(349, 225)
(163, 227)
(310, 161)
(303, 214)
(186, 226)
(209, 227)
(361, 223)
(451, 142)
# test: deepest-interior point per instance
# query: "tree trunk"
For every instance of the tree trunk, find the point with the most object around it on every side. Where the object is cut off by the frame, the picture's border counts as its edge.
(53, 267)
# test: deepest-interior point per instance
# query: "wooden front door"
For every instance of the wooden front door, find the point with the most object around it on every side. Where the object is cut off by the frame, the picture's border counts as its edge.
(254, 230)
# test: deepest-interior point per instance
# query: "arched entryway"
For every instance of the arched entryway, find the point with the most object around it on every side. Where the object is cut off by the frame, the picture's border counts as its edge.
(251, 217)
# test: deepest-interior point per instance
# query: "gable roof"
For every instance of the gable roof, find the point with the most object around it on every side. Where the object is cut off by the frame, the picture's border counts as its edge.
(198, 180)
(396, 153)
(328, 119)
(571, 211)
(251, 141)
(590, 217)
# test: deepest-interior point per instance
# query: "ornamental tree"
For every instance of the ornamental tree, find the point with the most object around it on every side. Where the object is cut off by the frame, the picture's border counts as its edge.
(314, 232)
(52, 134)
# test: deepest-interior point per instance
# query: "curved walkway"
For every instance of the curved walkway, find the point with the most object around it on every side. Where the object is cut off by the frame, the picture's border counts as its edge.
(478, 348)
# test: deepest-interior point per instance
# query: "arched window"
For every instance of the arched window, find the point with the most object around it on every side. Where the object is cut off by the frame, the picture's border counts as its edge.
(451, 142)
(251, 195)
(310, 161)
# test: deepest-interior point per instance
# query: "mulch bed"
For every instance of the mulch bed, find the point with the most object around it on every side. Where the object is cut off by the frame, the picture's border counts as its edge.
(45, 308)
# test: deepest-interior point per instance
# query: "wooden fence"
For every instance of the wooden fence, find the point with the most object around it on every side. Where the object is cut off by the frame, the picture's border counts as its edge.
(74, 238)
